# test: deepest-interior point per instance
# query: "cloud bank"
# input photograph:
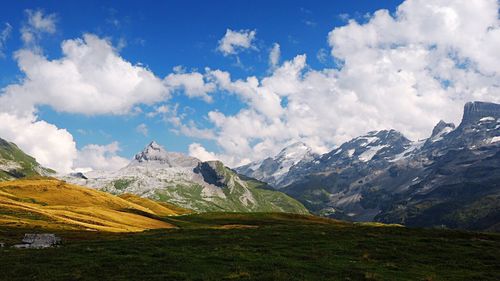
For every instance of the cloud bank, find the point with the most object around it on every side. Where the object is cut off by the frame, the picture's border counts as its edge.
(405, 71)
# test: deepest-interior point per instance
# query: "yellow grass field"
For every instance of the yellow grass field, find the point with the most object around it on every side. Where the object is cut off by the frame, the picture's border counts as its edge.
(54, 204)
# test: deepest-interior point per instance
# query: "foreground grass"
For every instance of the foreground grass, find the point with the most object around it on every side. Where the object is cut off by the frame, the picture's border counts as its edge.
(258, 247)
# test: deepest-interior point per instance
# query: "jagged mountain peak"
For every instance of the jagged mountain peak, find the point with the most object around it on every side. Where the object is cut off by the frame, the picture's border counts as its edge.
(273, 169)
(440, 130)
(155, 153)
(440, 126)
(376, 138)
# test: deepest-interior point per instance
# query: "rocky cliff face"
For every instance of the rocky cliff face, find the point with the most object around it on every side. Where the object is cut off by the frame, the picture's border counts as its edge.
(475, 111)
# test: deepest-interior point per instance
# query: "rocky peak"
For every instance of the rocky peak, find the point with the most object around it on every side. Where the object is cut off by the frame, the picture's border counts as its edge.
(294, 152)
(152, 152)
(475, 111)
(442, 127)
(155, 153)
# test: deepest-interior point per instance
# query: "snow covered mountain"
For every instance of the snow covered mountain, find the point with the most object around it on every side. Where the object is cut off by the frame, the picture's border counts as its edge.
(449, 179)
(187, 182)
(273, 170)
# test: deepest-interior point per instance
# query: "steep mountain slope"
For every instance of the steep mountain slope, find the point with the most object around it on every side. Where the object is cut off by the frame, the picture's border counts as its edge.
(451, 179)
(187, 182)
(54, 204)
(273, 170)
(14, 163)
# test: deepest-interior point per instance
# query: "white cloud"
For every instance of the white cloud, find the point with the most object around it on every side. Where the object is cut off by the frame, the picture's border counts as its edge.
(142, 129)
(37, 24)
(322, 56)
(198, 151)
(52, 147)
(192, 84)
(405, 72)
(100, 157)
(4, 35)
(274, 56)
(90, 78)
(235, 41)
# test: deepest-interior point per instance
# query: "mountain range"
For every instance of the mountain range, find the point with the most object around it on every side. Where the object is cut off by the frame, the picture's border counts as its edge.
(451, 179)
(188, 182)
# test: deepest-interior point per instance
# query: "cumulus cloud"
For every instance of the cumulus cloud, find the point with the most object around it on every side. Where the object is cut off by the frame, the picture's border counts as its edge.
(274, 56)
(198, 151)
(4, 35)
(52, 147)
(235, 41)
(90, 78)
(142, 129)
(192, 85)
(37, 24)
(404, 71)
(100, 157)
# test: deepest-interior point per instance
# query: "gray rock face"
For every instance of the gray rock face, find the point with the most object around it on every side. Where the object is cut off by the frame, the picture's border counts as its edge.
(212, 172)
(474, 111)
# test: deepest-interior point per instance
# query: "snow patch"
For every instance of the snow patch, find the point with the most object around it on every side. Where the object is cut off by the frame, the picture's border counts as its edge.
(487, 119)
(368, 154)
(495, 139)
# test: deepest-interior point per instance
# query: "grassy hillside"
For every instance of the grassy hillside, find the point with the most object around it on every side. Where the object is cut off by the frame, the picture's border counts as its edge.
(50, 203)
(258, 246)
(14, 163)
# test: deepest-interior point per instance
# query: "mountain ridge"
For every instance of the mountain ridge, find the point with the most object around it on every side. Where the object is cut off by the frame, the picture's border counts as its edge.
(188, 182)
(394, 180)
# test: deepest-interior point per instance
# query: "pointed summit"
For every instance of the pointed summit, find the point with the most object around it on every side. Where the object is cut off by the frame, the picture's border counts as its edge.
(153, 144)
(441, 129)
(155, 153)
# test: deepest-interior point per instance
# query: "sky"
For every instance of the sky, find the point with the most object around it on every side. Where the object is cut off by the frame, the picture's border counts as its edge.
(85, 85)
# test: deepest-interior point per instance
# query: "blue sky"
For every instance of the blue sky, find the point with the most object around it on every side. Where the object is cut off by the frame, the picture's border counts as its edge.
(165, 34)
(162, 35)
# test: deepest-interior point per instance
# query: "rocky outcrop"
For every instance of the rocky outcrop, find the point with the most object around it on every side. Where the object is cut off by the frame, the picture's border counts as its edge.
(212, 172)
(474, 111)
(39, 241)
